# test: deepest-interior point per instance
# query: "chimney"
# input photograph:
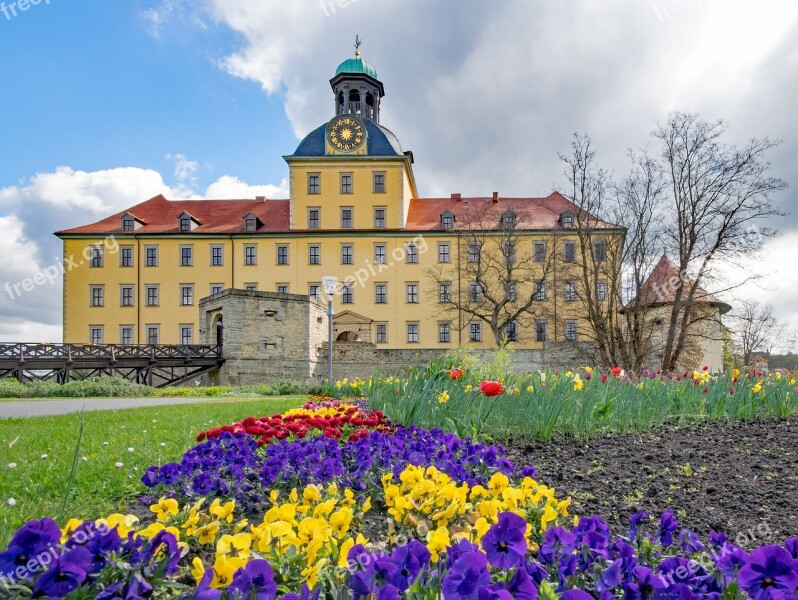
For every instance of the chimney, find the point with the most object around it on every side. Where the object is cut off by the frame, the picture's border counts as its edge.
(495, 196)
(260, 198)
(457, 196)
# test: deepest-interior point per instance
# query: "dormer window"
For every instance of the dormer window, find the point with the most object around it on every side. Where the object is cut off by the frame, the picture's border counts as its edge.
(251, 222)
(508, 220)
(186, 222)
(130, 223)
(567, 220)
(447, 220)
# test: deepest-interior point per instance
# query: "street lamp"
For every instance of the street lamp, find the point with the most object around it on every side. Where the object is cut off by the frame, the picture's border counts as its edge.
(330, 283)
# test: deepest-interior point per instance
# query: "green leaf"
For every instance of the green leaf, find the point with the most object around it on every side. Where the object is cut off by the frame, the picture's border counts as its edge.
(732, 592)
(546, 591)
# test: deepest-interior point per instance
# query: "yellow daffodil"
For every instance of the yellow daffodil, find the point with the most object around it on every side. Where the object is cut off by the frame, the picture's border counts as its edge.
(443, 397)
(164, 508)
(468, 388)
(530, 389)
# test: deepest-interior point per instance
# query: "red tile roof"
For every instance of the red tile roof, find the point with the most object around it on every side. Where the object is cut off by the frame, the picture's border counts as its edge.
(159, 215)
(660, 287)
(486, 212)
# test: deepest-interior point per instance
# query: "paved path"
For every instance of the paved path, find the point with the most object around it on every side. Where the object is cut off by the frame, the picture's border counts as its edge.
(41, 408)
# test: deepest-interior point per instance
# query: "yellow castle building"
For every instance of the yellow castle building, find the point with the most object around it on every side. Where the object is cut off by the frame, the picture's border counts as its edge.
(415, 272)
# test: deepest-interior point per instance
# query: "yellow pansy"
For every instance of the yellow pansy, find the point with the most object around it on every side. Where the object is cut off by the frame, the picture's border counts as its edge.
(366, 505)
(234, 545)
(124, 523)
(311, 574)
(443, 397)
(343, 552)
(199, 569)
(224, 512)
(340, 521)
(164, 508)
(224, 568)
(498, 482)
(437, 541)
(71, 526)
(207, 533)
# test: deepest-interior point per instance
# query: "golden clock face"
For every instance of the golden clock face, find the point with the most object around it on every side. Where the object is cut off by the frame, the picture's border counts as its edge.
(346, 133)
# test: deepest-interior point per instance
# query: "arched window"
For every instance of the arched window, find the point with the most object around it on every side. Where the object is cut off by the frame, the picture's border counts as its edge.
(341, 106)
(370, 105)
(354, 102)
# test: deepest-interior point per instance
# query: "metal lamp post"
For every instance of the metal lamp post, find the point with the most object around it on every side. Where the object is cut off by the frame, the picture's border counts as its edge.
(330, 283)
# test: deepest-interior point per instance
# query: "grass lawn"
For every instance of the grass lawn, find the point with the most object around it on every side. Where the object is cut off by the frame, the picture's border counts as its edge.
(43, 448)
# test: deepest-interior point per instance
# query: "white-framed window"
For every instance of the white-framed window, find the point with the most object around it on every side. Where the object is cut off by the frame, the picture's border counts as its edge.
(250, 255)
(540, 251)
(447, 220)
(540, 290)
(600, 251)
(314, 291)
(411, 255)
(347, 256)
(510, 291)
(346, 217)
(186, 295)
(508, 250)
(128, 224)
(475, 331)
(474, 251)
(378, 180)
(347, 293)
(571, 330)
(126, 335)
(380, 293)
(126, 256)
(474, 292)
(127, 295)
(346, 183)
(569, 252)
(444, 255)
(541, 331)
(570, 291)
(381, 330)
(444, 332)
(508, 220)
(380, 254)
(217, 288)
(251, 287)
(601, 290)
(314, 183)
(412, 333)
(314, 254)
(96, 257)
(186, 256)
(186, 335)
(185, 223)
(511, 332)
(379, 217)
(282, 254)
(151, 256)
(151, 293)
(153, 334)
(97, 295)
(314, 218)
(250, 223)
(412, 293)
(217, 256)
(96, 334)
(282, 288)
(444, 292)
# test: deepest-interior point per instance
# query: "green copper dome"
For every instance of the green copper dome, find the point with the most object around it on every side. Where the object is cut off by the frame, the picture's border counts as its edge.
(356, 65)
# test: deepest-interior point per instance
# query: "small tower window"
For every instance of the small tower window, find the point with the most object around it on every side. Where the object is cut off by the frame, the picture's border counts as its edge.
(370, 105)
(567, 220)
(341, 105)
(354, 102)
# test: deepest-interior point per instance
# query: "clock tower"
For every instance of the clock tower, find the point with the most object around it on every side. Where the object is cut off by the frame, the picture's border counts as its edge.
(357, 89)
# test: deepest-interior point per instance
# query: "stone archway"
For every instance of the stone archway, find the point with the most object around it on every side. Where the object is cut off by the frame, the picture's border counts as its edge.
(348, 336)
(218, 326)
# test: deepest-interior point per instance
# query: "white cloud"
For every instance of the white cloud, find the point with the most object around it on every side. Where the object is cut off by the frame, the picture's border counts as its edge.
(232, 187)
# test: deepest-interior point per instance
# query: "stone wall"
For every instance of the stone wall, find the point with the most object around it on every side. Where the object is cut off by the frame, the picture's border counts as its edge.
(361, 359)
(266, 336)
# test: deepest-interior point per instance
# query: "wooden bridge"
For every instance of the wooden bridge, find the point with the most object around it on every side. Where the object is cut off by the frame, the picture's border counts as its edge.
(157, 366)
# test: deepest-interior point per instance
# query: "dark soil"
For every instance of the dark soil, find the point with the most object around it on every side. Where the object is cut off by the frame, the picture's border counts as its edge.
(741, 479)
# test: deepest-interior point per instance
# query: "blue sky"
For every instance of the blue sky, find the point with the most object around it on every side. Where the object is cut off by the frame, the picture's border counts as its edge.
(106, 103)
(87, 84)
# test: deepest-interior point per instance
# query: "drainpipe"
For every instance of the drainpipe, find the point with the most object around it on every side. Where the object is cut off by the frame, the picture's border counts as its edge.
(138, 290)
(459, 310)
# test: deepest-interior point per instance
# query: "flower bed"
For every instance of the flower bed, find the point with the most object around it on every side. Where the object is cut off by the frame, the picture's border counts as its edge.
(395, 512)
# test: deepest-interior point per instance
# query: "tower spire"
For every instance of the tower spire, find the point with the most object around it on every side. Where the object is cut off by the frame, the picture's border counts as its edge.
(358, 43)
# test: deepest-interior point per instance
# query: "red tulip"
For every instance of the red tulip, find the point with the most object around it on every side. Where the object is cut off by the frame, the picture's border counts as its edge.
(616, 371)
(604, 378)
(491, 388)
(456, 373)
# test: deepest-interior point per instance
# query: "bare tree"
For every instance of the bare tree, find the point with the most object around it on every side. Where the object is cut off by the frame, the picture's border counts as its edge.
(493, 276)
(756, 329)
(721, 195)
(616, 259)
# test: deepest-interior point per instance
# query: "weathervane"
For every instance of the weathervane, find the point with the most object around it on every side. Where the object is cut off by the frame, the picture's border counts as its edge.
(358, 43)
